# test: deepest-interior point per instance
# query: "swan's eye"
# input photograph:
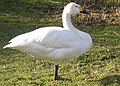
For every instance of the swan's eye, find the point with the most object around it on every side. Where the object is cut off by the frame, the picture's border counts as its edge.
(76, 6)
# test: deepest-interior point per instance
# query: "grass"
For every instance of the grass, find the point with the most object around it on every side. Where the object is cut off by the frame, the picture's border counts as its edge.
(98, 67)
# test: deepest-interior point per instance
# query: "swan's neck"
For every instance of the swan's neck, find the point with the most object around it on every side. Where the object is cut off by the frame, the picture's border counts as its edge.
(66, 19)
(67, 24)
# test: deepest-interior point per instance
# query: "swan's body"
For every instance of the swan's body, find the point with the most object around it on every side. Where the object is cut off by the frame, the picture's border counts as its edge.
(54, 43)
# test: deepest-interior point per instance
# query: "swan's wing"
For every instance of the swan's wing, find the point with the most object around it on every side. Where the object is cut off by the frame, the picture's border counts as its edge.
(49, 37)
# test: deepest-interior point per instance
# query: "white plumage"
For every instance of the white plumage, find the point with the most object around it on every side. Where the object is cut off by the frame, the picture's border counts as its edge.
(54, 43)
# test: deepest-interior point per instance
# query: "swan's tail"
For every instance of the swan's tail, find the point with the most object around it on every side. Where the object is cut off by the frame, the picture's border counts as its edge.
(9, 46)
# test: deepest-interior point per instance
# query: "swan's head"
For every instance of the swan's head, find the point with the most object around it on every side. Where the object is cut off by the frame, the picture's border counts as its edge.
(73, 8)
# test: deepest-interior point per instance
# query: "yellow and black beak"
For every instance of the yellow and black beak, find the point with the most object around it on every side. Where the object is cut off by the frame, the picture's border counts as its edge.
(83, 11)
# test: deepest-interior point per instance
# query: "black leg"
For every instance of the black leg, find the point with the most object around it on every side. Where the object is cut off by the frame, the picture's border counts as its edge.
(56, 72)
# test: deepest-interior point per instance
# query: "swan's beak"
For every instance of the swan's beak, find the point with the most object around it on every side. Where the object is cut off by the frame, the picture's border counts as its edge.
(83, 11)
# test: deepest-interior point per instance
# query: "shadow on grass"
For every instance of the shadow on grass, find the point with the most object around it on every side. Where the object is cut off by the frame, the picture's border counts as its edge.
(110, 80)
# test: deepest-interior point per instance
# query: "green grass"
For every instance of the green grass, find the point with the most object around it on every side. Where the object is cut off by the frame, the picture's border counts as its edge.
(98, 67)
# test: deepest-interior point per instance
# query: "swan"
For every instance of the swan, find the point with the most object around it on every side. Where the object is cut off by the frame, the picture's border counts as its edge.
(55, 43)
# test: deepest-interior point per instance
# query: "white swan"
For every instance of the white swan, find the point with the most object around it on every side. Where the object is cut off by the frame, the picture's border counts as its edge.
(55, 43)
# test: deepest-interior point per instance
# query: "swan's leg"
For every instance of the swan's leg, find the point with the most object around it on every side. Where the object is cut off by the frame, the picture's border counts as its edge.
(56, 72)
